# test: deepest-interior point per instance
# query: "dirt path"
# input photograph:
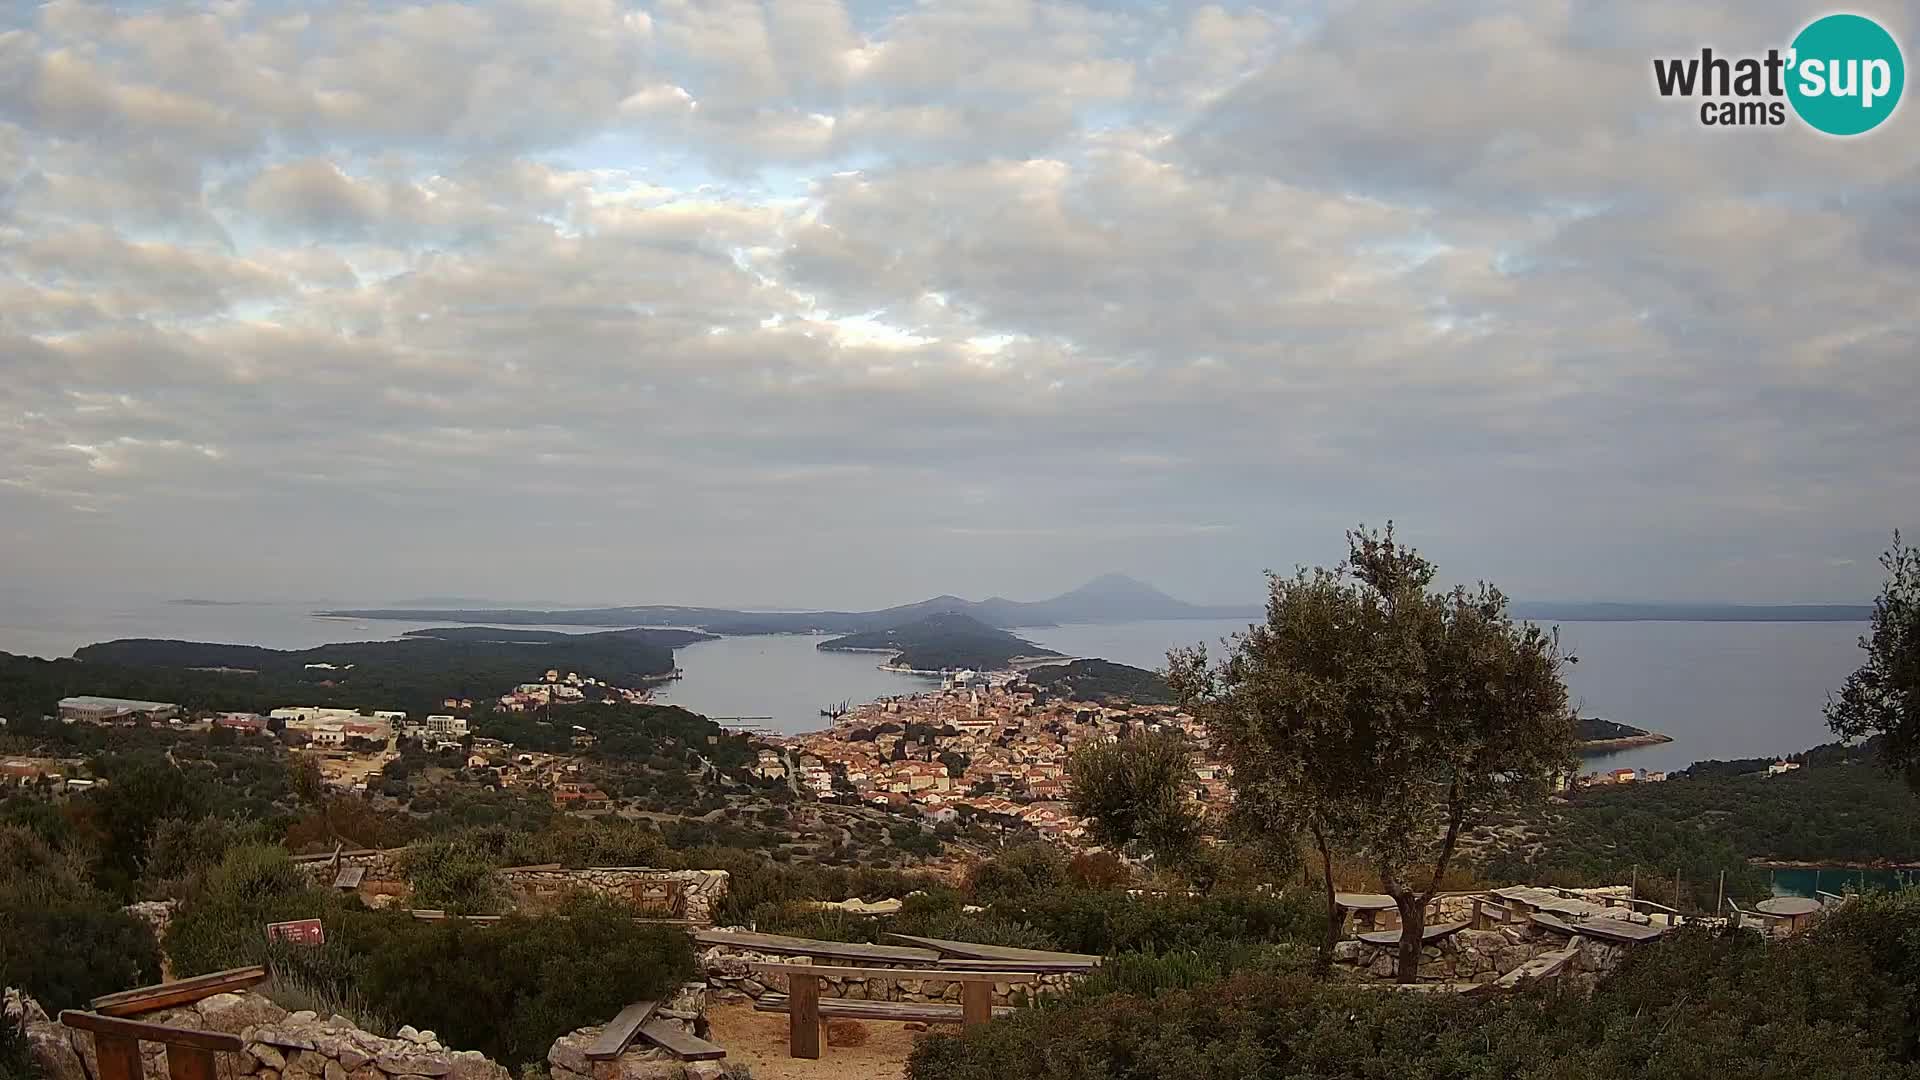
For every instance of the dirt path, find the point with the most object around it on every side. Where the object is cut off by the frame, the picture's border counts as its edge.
(759, 1041)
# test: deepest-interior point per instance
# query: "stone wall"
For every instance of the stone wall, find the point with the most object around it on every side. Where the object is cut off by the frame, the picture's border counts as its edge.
(687, 1009)
(280, 1046)
(668, 894)
(387, 865)
(1475, 956)
(688, 894)
(731, 978)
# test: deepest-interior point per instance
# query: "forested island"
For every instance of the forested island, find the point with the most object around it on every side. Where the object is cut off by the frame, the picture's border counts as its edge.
(945, 642)
(1596, 734)
(412, 674)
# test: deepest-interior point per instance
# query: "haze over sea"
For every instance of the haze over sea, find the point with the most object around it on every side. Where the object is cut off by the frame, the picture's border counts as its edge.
(1720, 689)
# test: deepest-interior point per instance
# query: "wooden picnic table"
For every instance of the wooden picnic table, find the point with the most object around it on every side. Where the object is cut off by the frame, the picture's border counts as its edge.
(1795, 909)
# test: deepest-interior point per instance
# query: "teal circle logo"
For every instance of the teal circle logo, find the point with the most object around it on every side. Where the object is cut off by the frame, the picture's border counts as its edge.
(1845, 74)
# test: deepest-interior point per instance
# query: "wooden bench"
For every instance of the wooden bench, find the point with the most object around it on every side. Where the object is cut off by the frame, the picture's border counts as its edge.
(180, 992)
(636, 1020)
(116, 1046)
(805, 1008)
(1428, 934)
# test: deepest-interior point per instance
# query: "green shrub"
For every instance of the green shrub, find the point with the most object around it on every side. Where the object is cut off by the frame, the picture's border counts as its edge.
(507, 989)
(223, 924)
(62, 940)
(1836, 1002)
(1105, 921)
(1018, 873)
(455, 875)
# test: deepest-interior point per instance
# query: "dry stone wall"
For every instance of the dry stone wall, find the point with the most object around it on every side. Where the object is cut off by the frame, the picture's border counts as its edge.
(731, 978)
(682, 894)
(280, 1046)
(687, 1010)
(1475, 956)
(669, 894)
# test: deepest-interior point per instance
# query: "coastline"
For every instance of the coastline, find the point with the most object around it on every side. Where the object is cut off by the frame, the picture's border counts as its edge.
(1601, 746)
(1791, 864)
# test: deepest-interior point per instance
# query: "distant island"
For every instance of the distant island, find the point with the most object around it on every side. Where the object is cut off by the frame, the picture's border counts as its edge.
(1106, 599)
(946, 642)
(1109, 598)
(414, 673)
(1597, 735)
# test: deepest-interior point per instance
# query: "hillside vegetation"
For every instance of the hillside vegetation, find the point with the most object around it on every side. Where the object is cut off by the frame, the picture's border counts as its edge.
(942, 642)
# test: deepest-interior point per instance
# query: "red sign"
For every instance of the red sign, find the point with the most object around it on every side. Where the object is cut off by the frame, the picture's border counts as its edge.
(298, 931)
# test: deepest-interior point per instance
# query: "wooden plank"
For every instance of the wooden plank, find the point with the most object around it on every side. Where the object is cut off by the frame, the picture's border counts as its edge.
(113, 1026)
(947, 974)
(1550, 922)
(976, 1003)
(1039, 966)
(189, 1063)
(1618, 930)
(856, 1009)
(166, 995)
(1364, 901)
(686, 1047)
(969, 950)
(803, 1017)
(620, 1031)
(117, 1057)
(858, 952)
(1431, 933)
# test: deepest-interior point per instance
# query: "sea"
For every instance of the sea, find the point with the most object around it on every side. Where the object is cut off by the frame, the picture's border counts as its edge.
(1719, 689)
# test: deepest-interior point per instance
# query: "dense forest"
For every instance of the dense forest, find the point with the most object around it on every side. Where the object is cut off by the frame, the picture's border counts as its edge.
(943, 642)
(412, 674)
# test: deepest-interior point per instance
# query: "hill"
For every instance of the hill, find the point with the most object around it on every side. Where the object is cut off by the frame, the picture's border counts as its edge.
(413, 674)
(944, 642)
(1102, 680)
(1108, 598)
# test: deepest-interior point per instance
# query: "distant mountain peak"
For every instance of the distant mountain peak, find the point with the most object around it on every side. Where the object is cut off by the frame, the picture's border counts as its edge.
(1118, 585)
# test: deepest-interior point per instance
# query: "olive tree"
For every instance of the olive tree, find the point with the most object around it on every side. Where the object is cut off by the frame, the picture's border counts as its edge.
(1883, 697)
(1136, 791)
(1384, 718)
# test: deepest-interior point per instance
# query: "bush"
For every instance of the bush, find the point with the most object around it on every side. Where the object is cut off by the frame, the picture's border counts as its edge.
(64, 941)
(1017, 873)
(1836, 1002)
(453, 875)
(1112, 920)
(508, 989)
(223, 924)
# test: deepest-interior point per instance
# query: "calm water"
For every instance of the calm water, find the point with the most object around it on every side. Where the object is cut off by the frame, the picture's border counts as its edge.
(1720, 689)
(782, 676)
(1803, 882)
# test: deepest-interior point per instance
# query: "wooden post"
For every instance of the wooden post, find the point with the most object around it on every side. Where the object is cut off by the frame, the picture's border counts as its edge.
(1720, 899)
(189, 1063)
(803, 1016)
(976, 1003)
(1634, 889)
(118, 1055)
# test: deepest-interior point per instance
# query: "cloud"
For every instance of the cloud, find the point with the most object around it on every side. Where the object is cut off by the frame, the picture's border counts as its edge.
(840, 304)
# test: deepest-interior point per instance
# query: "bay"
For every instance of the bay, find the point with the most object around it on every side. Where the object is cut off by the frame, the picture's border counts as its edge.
(1719, 689)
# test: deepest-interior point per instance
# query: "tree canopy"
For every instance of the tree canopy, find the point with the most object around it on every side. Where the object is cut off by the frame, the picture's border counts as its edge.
(1883, 696)
(1384, 717)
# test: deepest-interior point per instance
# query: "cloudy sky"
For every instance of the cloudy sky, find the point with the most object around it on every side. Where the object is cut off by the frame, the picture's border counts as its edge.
(811, 302)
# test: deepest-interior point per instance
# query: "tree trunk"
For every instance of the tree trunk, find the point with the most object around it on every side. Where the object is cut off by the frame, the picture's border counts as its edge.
(1333, 915)
(1413, 925)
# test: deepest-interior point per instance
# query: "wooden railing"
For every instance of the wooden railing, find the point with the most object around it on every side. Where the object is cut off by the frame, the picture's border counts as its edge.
(116, 1046)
